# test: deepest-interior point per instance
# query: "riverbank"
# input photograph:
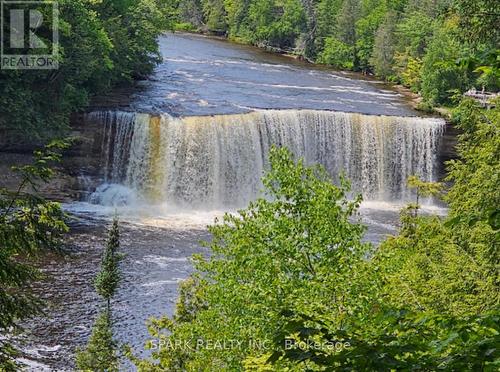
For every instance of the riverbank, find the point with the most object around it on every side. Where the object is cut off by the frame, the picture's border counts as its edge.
(414, 100)
(205, 78)
(193, 140)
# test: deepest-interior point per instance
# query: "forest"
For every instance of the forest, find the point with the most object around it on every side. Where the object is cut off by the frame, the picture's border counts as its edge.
(290, 282)
(102, 44)
(293, 285)
(438, 48)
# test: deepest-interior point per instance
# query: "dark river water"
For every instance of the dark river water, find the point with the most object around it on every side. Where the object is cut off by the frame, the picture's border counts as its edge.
(203, 76)
(198, 76)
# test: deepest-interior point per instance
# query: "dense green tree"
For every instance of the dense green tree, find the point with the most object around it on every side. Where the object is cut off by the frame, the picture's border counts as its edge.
(337, 54)
(387, 340)
(479, 19)
(475, 196)
(413, 34)
(100, 354)
(442, 77)
(326, 13)
(289, 25)
(276, 25)
(29, 225)
(190, 12)
(366, 28)
(346, 26)
(215, 15)
(238, 19)
(102, 43)
(261, 16)
(384, 47)
(108, 278)
(296, 251)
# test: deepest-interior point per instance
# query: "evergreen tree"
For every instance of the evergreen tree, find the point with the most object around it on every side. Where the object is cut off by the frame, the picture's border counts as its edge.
(346, 21)
(215, 15)
(108, 278)
(383, 50)
(29, 224)
(191, 11)
(100, 354)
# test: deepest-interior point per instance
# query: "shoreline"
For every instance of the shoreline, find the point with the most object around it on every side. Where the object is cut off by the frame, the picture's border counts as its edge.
(414, 100)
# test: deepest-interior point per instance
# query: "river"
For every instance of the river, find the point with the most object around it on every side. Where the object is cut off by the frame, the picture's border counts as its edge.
(191, 143)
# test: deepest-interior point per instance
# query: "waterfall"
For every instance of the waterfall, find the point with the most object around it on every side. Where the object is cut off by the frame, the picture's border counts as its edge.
(205, 162)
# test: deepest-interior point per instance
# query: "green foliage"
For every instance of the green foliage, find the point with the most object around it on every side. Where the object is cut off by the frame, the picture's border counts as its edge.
(384, 48)
(276, 23)
(366, 28)
(100, 354)
(427, 269)
(190, 12)
(102, 43)
(337, 54)
(296, 250)
(108, 278)
(408, 70)
(414, 32)
(424, 188)
(291, 273)
(419, 43)
(29, 224)
(326, 12)
(185, 26)
(441, 75)
(388, 341)
(215, 15)
(479, 19)
(346, 22)
(475, 196)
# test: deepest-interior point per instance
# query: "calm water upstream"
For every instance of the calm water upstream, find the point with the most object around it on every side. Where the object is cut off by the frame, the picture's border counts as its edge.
(191, 143)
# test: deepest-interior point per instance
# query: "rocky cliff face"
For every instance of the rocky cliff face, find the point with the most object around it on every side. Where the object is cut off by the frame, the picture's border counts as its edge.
(79, 170)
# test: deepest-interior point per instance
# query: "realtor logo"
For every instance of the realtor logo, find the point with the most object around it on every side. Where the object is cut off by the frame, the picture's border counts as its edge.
(30, 35)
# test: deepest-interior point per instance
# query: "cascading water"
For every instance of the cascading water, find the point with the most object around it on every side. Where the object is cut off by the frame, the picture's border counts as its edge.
(206, 162)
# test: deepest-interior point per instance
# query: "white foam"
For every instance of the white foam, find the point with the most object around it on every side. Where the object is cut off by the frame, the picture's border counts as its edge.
(161, 283)
(397, 206)
(147, 215)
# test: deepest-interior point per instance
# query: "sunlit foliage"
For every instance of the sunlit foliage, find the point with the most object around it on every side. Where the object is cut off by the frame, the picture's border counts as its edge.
(437, 48)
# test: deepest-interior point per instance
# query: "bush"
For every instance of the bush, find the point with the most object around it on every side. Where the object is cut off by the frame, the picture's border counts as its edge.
(441, 75)
(336, 53)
